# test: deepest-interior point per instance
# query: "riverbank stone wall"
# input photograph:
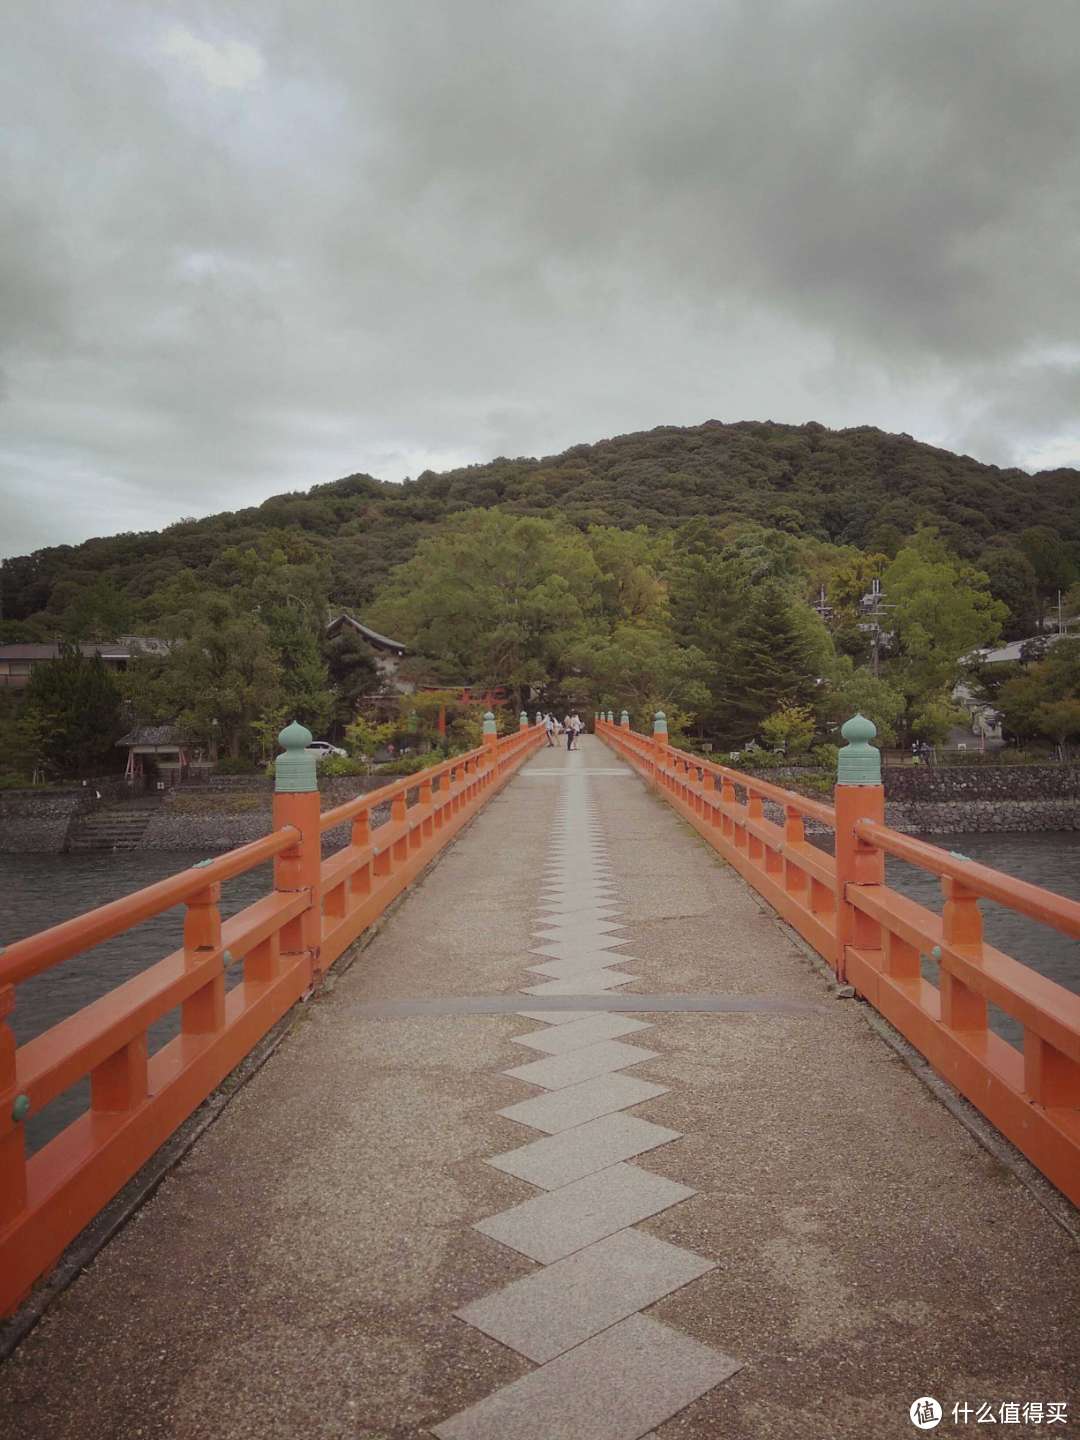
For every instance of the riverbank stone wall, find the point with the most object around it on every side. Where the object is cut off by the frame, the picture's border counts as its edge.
(37, 821)
(234, 810)
(981, 784)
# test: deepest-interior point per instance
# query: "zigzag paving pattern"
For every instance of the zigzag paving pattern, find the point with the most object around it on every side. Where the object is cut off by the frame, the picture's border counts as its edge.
(302, 1271)
(578, 1317)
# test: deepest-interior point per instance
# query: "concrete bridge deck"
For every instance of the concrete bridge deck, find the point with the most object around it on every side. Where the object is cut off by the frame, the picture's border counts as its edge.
(741, 1222)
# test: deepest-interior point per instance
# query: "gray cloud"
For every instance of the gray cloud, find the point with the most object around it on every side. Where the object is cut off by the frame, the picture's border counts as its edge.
(249, 248)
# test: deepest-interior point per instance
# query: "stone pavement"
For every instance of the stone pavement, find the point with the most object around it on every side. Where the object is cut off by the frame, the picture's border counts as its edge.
(566, 1220)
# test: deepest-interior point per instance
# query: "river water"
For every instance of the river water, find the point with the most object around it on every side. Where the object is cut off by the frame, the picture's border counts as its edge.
(42, 890)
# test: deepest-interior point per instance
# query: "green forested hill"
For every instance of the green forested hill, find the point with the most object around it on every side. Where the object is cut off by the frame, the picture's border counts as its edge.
(859, 487)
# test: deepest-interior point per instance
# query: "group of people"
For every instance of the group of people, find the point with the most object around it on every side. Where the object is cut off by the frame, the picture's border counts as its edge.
(571, 726)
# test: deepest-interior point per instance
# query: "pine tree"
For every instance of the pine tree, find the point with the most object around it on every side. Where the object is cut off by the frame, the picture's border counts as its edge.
(769, 664)
(76, 704)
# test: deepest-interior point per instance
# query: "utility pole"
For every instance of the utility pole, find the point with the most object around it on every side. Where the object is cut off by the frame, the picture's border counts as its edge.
(823, 608)
(875, 612)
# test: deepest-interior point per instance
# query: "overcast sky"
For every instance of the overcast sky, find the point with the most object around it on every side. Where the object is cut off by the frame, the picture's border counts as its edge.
(250, 247)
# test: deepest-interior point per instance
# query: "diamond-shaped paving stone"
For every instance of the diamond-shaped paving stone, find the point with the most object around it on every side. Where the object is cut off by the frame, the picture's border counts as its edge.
(614, 1387)
(586, 910)
(565, 858)
(579, 885)
(550, 1226)
(579, 872)
(550, 1311)
(556, 1017)
(598, 1026)
(597, 892)
(574, 902)
(561, 1159)
(579, 930)
(583, 982)
(580, 867)
(566, 969)
(581, 937)
(582, 914)
(569, 948)
(574, 1104)
(555, 1071)
(600, 922)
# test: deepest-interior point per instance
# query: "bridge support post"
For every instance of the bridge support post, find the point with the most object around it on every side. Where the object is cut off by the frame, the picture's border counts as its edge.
(859, 795)
(296, 803)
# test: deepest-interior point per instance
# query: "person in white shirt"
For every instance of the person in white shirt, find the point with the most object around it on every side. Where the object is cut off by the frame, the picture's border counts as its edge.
(549, 726)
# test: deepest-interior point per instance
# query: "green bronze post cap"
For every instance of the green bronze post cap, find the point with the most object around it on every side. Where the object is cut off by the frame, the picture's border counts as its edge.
(624, 718)
(21, 1108)
(489, 722)
(659, 723)
(858, 762)
(294, 771)
(523, 719)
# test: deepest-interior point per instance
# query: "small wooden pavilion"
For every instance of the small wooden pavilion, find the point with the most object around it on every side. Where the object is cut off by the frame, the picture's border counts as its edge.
(155, 753)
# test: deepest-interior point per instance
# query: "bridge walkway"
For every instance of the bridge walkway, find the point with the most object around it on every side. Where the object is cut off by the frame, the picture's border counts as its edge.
(791, 1237)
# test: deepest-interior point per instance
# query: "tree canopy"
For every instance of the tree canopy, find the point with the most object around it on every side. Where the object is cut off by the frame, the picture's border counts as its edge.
(719, 572)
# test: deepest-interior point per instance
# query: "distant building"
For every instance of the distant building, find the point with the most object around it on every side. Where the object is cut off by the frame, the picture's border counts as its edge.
(17, 662)
(388, 654)
(1011, 653)
(985, 719)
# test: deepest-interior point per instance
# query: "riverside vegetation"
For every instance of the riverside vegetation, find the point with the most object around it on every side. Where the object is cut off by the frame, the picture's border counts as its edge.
(675, 569)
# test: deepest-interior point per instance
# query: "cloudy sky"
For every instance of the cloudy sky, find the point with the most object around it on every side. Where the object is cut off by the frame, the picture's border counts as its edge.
(252, 245)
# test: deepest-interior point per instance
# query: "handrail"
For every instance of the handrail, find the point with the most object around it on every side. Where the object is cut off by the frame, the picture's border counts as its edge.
(877, 939)
(282, 943)
(811, 809)
(1037, 903)
(349, 809)
(24, 958)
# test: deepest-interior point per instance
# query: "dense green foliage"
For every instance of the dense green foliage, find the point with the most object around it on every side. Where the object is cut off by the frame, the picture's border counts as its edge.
(676, 569)
(69, 719)
(857, 487)
(1043, 698)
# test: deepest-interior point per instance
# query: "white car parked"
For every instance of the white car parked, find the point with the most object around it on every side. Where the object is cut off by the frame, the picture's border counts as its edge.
(322, 748)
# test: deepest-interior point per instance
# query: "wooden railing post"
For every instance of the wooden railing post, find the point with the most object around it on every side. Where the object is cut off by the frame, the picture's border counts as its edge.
(491, 743)
(794, 834)
(399, 815)
(202, 1013)
(427, 804)
(859, 795)
(659, 742)
(624, 719)
(16, 1109)
(296, 803)
(523, 721)
(961, 928)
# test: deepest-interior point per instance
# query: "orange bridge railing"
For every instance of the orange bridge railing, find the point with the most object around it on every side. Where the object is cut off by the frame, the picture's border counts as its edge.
(281, 944)
(875, 938)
